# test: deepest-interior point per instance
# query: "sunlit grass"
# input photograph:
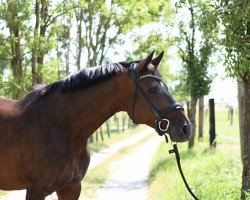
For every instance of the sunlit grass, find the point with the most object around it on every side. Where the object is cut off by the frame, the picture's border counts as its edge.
(212, 174)
(2, 193)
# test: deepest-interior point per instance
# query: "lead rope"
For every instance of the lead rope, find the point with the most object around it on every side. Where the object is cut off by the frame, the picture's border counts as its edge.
(178, 160)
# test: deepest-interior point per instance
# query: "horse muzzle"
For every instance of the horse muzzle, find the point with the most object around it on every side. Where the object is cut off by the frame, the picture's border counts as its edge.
(178, 132)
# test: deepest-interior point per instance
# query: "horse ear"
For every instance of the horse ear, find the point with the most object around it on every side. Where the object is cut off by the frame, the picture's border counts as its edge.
(144, 63)
(157, 60)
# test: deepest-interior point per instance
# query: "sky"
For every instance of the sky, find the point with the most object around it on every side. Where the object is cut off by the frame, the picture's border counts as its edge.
(224, 89)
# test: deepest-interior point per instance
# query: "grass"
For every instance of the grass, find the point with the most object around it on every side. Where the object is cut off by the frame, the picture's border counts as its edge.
(2, 193)
(212, 174)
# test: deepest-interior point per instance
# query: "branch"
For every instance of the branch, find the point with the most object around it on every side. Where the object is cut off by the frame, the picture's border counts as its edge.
(72, 53)
(2, 58)
(183, 54)
(51, 20)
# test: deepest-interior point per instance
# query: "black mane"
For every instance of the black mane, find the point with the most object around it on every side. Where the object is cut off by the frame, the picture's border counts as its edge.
(83, 78)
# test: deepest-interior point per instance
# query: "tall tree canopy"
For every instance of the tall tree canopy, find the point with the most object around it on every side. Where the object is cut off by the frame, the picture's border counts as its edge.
(41, 41)
(196, 44)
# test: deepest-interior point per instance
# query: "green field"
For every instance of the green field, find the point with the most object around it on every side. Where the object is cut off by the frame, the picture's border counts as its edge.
(212, 174)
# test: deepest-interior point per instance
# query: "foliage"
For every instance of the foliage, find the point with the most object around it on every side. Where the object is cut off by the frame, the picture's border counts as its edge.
(196, 44)
(153, 37)
(110, 23)
(235, 20)
(40, 38)
(147, 44)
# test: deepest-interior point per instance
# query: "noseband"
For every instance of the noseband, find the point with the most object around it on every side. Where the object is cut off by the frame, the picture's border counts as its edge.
(160, 114)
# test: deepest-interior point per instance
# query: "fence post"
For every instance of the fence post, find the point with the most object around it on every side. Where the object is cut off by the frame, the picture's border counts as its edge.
(212, 123)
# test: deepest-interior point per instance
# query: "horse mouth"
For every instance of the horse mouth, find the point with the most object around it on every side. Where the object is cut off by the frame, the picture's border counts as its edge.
(173, 136)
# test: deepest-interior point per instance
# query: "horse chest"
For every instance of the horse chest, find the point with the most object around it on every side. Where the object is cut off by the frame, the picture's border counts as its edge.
(73, 172)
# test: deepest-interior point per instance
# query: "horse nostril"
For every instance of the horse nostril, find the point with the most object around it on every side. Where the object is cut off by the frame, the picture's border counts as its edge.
(185, 129)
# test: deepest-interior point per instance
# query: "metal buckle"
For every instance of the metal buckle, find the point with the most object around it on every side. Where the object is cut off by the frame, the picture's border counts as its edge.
(167, 126)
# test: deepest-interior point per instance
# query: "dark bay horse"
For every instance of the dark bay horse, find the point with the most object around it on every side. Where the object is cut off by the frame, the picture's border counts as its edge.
(43, 137)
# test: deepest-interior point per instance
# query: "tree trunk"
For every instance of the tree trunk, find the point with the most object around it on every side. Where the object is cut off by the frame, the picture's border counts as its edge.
(244, 122)
(188, 109)
(129, 123)
(91, 139)
(67, 54)
(123, 121)
(231, 116)
(101, 133)
(41, 50)
(16, 60)
(108, 129)
(34, 45)
(79, 18)
(201, 118)
(193, 121)
(116, 119)
(97, 136)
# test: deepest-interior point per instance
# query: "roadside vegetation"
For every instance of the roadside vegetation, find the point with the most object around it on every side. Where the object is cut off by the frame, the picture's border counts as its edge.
(212, 173)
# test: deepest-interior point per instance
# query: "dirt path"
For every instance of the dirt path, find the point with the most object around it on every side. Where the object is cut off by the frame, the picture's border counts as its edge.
(129, 177)
(96, 158)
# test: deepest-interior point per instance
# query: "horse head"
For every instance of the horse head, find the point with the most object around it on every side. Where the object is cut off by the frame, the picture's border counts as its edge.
(152, 104)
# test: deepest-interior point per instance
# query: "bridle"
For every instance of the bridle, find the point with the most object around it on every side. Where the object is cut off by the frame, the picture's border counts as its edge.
(160, 114)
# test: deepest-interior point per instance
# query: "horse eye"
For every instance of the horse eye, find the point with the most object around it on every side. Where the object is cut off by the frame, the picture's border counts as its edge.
(153, 90)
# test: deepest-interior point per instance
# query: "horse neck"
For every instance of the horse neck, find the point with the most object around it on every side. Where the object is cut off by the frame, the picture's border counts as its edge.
(89, 108)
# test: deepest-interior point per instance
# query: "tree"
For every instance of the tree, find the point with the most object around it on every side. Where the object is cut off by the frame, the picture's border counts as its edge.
(152, 42)
(235, 19)
(27, 43)
(101, 26)
(195, 56)
(46, 15)
(14, 14)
